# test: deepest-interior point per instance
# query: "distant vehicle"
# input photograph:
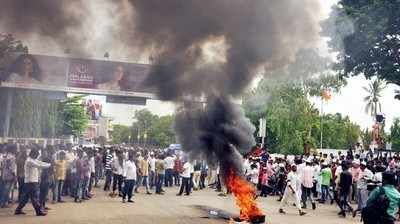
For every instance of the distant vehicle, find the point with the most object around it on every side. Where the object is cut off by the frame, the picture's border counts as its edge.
(175, 146)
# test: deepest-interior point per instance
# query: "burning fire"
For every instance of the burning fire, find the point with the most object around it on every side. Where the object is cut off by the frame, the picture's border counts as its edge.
(244, 193)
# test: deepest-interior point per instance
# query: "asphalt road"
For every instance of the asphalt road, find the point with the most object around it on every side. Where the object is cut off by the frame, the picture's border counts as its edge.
(165, 209)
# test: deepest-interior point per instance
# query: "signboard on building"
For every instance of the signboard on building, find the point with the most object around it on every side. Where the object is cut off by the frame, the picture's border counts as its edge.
(127, 100)
(60, 74)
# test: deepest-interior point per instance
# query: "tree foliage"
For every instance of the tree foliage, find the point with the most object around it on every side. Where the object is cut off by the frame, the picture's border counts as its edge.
(395, 134)
(372, 100)
(8, 44)
(365, 33)
(152, 129)
(292, 121)
(73, 118)
(121, 134)
(162, 131)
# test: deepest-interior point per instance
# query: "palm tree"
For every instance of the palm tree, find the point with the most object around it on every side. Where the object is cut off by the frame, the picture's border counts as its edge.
(372, 100)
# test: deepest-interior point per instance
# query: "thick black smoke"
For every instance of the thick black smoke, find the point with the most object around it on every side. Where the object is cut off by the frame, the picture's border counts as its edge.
(60, 20)
(215, 132)
(255, 33)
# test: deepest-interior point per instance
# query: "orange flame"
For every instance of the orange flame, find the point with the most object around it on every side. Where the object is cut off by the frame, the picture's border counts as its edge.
(244, 193)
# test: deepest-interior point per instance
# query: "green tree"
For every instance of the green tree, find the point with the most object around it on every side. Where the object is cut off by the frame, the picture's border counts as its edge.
(121, 133)
(9, 45)
(372, 100)
(162, 131)
(395, 134)
(365, 33)
(144, 119)
(292, 121)
(73, 117)
(366, 137)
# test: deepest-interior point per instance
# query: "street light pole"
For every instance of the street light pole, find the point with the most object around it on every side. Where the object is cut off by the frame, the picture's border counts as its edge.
(321, 122)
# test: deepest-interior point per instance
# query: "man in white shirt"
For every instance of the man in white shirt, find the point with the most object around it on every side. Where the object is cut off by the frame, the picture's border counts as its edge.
(366, 175)
(152, 174)
(31, 185)
(307, 182)
(293, 182)
(185, 185)
(169, 170)
(129, 175)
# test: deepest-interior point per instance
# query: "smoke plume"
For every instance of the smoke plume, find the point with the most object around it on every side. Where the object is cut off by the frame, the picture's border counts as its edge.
(81, 28)
(255, 34)
(59, 20)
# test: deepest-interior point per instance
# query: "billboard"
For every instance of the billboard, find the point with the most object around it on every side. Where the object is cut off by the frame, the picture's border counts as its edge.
(76, 75)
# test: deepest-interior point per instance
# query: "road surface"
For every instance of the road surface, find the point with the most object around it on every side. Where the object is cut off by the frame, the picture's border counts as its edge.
(164, 209)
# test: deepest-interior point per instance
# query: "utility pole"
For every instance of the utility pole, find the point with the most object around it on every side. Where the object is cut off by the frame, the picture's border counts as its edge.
(262, 132)
(322, 119)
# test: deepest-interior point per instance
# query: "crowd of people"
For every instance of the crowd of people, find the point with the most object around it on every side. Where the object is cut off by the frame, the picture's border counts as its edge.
(355, 177)
(51, 173)
(352, 180)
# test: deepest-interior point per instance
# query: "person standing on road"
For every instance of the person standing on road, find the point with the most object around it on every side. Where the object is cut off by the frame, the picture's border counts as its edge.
(307, 183)
(393, 196)
(21, 159)
(8, 168)
(144, 170)
(345, 183)
(108, 158)
(138, 161)
(60, 174)
(196, 175)
(152, 171)
(293, 182)
(46, 177)
(203, 175)
(98, 167)
(130, 176)
(31, 185)
(326, 177)
(177, 170)
(79, 176)
(169, 170)
(160, 174)
(185, 185)
(365, 176)
(117, 168)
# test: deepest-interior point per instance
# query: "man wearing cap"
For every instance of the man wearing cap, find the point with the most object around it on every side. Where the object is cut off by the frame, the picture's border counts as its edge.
(290, 192)
(362, 191)
(355, 172)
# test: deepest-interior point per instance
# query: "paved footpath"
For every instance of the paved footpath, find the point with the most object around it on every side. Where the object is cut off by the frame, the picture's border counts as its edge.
(164, 209)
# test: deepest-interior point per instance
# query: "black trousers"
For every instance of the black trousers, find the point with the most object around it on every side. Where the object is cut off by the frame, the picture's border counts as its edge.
(306, 194)
(203, 180)
(21, 181)
(169, 173)
(128, 189)
(117, 180)
(108, 180)
(44, 191)
(30, 191)
(185, 185)
(344, 204)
